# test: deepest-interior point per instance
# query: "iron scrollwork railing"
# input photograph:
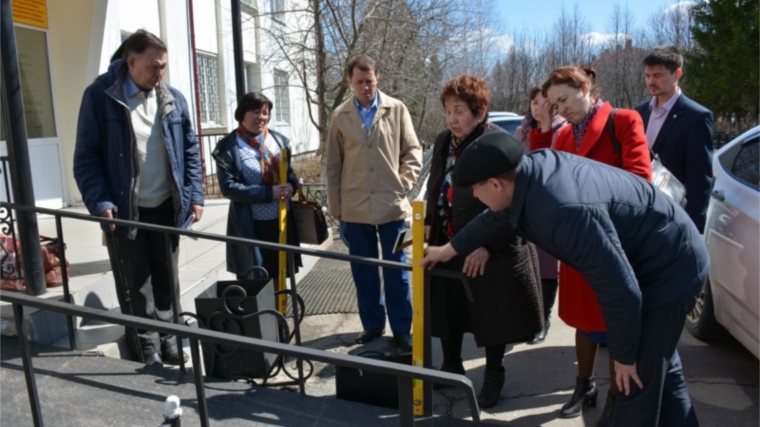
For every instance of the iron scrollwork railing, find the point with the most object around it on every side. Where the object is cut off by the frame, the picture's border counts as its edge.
(8, 245)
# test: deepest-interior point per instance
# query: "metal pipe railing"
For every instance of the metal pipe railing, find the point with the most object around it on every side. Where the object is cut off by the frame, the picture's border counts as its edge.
(404, 373)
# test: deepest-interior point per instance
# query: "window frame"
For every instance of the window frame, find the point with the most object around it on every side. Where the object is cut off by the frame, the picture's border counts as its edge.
(277, 13)
(281, 103)
(209, 89)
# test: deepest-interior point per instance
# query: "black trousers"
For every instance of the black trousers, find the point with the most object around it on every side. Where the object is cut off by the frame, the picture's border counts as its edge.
(146, 275)
(664, 401)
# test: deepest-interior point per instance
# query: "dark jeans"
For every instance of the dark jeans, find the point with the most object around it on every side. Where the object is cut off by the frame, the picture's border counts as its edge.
(664, 401)
(148, 276)
(362, 239)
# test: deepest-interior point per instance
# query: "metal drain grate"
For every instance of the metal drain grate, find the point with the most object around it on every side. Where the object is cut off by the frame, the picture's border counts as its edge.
(328, 292)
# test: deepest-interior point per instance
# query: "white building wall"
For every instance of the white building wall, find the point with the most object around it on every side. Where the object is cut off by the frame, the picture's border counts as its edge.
(169, 19)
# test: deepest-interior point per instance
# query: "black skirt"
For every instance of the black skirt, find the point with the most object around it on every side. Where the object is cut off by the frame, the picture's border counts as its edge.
(450, 317)
(269, 231)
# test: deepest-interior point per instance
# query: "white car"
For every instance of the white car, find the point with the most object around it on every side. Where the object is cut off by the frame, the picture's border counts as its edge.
(731, 297)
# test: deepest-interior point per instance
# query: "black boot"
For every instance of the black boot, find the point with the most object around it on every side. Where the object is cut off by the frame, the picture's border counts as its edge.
(454, 368)
(584, 396)
(607, 419)
(541, 335)
(493, 382)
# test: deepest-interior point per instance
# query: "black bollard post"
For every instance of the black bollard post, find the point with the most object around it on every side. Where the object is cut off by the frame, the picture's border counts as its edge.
(18, 151)
(237, 47)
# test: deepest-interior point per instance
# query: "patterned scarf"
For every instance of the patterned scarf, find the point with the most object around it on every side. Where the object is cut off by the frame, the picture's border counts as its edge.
(446, 197)
(270, 165)
(579, 130)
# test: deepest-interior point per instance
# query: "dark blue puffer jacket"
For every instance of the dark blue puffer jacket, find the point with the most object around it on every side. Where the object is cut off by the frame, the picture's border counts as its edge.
(105, 158)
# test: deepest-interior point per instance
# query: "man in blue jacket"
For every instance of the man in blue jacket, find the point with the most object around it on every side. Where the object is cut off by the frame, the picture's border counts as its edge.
(137, 159)
(679, 130)
(642, 255)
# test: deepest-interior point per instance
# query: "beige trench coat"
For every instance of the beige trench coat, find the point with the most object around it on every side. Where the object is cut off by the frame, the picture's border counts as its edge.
(368, 175)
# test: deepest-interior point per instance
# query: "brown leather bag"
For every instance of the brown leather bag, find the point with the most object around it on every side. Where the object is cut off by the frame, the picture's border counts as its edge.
(310, 220)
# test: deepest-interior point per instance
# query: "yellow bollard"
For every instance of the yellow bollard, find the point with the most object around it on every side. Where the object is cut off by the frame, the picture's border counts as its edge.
(418, 301)
(282, 278)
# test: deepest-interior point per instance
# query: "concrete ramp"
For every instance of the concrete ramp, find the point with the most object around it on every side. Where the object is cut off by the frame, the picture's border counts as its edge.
(85, 390)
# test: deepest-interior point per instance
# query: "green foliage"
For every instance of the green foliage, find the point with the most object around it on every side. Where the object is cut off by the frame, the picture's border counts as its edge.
(723, 71)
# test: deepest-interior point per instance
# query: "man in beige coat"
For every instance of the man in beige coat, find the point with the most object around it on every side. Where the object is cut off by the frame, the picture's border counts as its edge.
(373, 159)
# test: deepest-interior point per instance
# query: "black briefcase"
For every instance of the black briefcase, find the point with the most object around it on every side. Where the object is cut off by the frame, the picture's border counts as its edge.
(372, 388)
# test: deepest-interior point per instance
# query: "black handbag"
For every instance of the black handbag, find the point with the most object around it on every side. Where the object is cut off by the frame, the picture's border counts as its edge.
(310, 220)
(367, 387)
(662, 178)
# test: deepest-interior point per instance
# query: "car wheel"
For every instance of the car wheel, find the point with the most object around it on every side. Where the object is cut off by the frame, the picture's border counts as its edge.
(701, 320)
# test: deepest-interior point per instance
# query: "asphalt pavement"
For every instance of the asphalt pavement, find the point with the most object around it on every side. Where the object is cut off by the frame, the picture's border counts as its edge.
(722, 376)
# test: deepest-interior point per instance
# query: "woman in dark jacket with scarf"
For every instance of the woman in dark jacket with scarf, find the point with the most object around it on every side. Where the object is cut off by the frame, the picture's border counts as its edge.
(248, 170)
(506, 306)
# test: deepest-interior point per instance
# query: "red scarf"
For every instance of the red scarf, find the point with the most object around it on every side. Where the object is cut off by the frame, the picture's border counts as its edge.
(270, 165)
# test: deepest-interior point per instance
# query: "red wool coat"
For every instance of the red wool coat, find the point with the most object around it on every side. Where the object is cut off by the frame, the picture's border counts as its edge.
(577, 303)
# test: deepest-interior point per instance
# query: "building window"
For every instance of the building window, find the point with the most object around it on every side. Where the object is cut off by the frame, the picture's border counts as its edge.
(282, 97)
(252, 78)
(208, 82)
(278, 9)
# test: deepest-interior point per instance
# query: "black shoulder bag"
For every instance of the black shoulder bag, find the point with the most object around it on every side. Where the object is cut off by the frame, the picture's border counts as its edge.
(662, 178)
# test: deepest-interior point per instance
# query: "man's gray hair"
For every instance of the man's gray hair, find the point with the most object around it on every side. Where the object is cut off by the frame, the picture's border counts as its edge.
(141, 41)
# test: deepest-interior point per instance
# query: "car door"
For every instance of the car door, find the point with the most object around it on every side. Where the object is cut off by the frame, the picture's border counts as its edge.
(733, 237)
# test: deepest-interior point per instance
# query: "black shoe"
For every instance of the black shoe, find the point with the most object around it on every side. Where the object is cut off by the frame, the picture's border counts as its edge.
(368, 336)
(170, 355)
(541, 335)
(403, 341)
(493, 382)
(607, 420)
(584, 396)
(154, 359)
(457, 368)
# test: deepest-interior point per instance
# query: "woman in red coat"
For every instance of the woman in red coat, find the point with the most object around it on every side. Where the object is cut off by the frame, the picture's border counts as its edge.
(573, 93)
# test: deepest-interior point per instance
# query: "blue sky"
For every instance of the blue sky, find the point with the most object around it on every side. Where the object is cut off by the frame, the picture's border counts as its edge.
(541, 14)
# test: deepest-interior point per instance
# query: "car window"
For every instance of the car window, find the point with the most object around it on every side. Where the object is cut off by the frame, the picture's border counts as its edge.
(746, 167)
(508, 125)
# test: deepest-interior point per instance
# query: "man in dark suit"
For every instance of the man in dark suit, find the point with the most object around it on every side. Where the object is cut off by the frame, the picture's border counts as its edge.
(678, 130)
(639, 251)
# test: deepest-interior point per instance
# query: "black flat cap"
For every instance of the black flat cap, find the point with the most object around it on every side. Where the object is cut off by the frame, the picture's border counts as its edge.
(488, 156)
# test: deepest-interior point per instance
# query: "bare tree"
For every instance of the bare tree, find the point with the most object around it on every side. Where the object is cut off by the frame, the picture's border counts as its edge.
(415, 42)
(619, 70)
(672, 26)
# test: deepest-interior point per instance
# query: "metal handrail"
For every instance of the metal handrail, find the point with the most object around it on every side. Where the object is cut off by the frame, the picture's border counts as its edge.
(221, 238)
(405, 374)
(402, 372)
